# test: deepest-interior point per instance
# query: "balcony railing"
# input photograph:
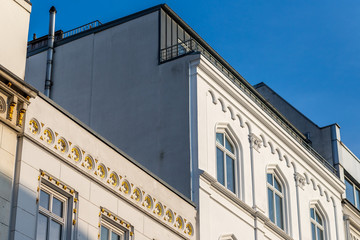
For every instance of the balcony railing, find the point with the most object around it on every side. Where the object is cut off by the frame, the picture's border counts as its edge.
(81, 29)
(192, 45)
(59, 35)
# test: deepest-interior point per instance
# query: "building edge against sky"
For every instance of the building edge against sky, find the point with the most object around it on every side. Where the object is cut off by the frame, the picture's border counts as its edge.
(238, 148)
(59, 179)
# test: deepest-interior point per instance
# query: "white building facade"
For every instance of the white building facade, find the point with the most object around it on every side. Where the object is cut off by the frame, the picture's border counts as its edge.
(184, 113)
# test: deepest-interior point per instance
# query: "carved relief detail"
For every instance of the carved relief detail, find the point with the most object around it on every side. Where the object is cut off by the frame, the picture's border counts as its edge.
(300, 180)
(255, 142)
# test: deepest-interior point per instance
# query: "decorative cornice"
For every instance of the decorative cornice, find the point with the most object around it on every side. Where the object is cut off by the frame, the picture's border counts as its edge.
(86, 163)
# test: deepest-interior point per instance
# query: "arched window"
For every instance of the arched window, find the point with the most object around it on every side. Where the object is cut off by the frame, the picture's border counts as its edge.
(317, 224)
(225, 161)
(275, 200)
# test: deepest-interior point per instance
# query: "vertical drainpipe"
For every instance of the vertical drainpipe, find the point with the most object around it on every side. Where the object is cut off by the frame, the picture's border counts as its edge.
(50, 51)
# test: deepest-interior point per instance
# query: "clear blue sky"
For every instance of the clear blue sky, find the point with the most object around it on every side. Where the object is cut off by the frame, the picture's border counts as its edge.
(307, 51)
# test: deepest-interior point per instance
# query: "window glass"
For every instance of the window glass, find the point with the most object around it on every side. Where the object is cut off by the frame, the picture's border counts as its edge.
(44, 199)
(277, 184)
(114, 236)
(55, 230)
(271, 205)
(318, 218)
(270, 178)
(313, 231)
(279, 211)
(220, 138)
(229, 146)
(312, 214)
(41, 227)
(357, 198)
(320, 234)
(57, 207)
(349, 191)
(220, 166)
(104, 233)
(230, 178)
(225, 161)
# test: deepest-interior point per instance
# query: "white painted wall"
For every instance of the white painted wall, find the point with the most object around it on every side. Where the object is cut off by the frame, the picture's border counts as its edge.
(93, 191)
(14, 25)
(221, 103)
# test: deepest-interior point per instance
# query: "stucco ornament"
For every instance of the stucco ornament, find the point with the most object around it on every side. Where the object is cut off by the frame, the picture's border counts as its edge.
(255, 142)
(300, 180)
(2, 105)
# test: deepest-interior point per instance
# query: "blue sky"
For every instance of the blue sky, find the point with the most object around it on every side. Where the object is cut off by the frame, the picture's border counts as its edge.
(307, 51)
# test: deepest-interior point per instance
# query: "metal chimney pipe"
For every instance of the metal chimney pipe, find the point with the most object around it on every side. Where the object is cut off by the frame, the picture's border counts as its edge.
(50, 51)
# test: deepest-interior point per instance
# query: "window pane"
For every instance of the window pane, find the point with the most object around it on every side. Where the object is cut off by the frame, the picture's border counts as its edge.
(271, 205)
(229, 146)
(57, 207)
(279, 212)
(320, 234)
(277, 184)
(270, 178)
(357, 198)
(220, 138)
(55, 231)
(312, 214)
(349, 191)
(220, 166)
(44, 199)
(41, 227)
(313, 231)
(104, 233)
(230, 175)
(114, 236)
(318, 218)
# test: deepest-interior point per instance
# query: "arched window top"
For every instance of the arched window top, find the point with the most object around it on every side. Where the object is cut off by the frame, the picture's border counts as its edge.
(225, 160)
(317, 224)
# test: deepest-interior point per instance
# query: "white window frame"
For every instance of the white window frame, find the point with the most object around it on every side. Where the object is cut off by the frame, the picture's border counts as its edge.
(114, 227)
(280, 194)
(64, 221)
(317, 225)
(226, 152)
(354, 188)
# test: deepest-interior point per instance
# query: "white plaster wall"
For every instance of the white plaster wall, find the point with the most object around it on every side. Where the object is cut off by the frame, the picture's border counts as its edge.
(14, 25)
(93, 192)
(8, 142)
(220, 102)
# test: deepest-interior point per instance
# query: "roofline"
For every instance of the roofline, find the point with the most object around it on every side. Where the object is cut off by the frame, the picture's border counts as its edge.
(197, 37)
(98, 136)
(98, 29)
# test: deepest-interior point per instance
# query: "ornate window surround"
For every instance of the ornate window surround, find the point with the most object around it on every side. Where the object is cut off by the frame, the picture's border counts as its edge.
(316, 204)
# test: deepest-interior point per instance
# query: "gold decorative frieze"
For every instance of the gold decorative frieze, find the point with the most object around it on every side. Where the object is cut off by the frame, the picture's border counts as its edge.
(95, 168)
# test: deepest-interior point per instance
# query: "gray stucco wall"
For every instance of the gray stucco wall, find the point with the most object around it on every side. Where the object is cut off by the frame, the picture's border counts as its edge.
(320, 137)
(111, 80)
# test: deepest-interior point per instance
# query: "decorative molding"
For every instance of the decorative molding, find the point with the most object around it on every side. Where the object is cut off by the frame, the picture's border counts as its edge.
(84, 162)
(108, 215)
(300, 180)
(2, 105)
(55, 183)
(255, 142)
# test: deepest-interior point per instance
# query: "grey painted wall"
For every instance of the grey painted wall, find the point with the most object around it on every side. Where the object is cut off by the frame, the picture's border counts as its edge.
(111, 80)
(320, 137)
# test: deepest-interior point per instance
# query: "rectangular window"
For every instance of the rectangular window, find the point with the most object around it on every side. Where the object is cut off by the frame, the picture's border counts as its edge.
(56, 209)
(113, 227)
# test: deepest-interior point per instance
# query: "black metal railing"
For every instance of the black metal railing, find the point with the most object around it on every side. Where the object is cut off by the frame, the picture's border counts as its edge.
(81, 29)
(192, 45)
